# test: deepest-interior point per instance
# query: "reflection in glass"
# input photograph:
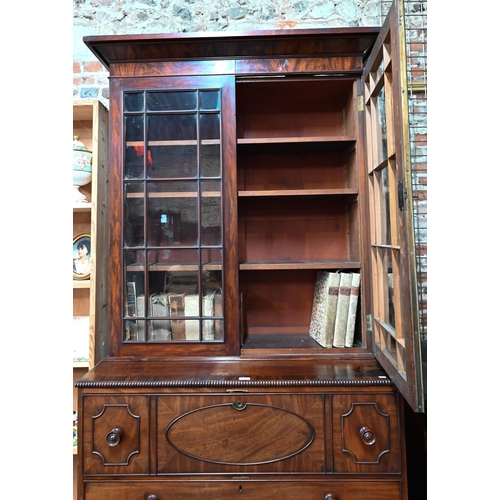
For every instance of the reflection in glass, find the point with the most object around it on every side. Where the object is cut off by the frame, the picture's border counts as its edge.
(379, 71)
(209, 99)
(210, 160)
(160, 329)
(134, 129)
(134, 215)
(134, 330)
(171, 128)
(211, 213)
(388, 289)
(381, 125)
(171, 101)
(172, 213)
(173, 161)
(385, 212)
(133, 167)
(133, 101)
(134, 295)
(212, 291)
(210, 126)
(391, 346)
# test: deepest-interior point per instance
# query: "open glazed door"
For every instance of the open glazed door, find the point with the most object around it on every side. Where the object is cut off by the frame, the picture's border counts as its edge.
(394, 316)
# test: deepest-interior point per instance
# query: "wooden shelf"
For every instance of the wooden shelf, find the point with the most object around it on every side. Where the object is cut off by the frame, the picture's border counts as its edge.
(296, 139)
(81, 284)
(83, 208)
(276, 265)
(299, 192)
(80, 364)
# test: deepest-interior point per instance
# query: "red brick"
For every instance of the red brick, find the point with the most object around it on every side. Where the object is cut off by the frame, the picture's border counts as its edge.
(93, 67)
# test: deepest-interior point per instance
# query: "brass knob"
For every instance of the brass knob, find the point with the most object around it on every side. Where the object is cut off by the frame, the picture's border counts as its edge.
(367, 435)
(114, 436)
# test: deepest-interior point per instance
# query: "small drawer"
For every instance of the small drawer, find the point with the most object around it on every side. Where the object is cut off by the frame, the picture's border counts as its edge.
(244, 490)
(366, 434)
(115, 433)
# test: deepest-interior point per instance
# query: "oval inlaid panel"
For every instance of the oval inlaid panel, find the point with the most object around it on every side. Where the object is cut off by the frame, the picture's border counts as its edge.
(240, 434)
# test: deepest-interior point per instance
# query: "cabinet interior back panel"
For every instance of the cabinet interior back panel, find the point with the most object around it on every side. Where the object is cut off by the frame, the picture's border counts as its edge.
(288, 233)
(293, 108)
(294, 170)
(278, 301)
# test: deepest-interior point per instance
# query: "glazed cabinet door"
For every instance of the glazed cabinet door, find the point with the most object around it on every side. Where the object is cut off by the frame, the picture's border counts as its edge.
(394, 317)
(173, 183)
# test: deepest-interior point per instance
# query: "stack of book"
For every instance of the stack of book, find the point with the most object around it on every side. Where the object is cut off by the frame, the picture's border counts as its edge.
(172, 304)
(335, 303)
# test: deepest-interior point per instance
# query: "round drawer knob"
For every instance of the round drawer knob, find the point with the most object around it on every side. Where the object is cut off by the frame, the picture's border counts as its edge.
(152, 497)
(367, 435)
(330, 497)
(114, 436)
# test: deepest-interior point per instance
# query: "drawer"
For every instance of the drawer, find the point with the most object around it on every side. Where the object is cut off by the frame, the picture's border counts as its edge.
(366, 434)
(248, 490)
(241, 433)
(115, 433)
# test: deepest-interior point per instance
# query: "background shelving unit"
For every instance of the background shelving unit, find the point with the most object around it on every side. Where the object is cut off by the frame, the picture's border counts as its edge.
(90, 124)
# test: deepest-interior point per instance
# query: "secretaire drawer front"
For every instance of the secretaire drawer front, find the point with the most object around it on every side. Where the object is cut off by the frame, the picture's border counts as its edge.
(248, 490)
(366, 433)
(115, 435)
(241, 433)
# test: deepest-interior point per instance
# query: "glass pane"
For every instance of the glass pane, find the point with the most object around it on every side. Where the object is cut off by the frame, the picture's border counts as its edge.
(387, 314)
(171, 101)
(192, 308)
(172, 213)
(164, 259)
(134, 295)
(134, 130)
(379, 71)
(210, 160)
(160, 329)
(134, 162)
(212, 293)
(384, 214)
(209, 99)
(210, 127)
(381, 125)
(173, 161)
(176, 305)
(133, 101)
(211, 214)
(134, 214)
(211, 259)
(163, 128)
(134, 330)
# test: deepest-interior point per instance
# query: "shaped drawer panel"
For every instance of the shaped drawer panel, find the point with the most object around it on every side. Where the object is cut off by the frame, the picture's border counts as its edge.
(237, 433)
(115, 435)
(366, 433)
